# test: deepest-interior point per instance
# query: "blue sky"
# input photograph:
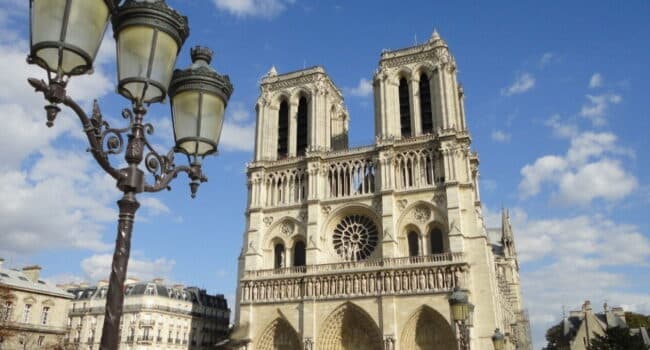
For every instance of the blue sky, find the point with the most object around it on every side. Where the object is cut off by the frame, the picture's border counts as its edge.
(556, 101)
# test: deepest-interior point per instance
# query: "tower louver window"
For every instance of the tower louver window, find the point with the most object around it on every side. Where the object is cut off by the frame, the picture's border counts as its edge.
(301, 145)
(425, 105)
(283, 130)
(404, 108)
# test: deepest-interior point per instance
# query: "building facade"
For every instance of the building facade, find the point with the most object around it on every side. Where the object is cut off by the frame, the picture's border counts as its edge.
(581, 327)
(156, 316)
(33, 312)
(360, 248)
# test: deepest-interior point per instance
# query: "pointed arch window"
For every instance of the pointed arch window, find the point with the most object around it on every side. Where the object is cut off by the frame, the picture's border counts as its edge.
(283, 130)
(414, 246)
(301, 130)
(435, 236)
(278, 256)
(426, 114)
(404, 108)
(299, 254)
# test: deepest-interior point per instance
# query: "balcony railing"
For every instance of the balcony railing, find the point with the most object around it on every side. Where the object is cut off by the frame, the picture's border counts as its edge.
(372, 264)
(392, 276)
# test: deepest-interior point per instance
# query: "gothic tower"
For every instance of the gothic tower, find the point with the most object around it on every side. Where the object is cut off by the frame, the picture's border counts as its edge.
(361, 248)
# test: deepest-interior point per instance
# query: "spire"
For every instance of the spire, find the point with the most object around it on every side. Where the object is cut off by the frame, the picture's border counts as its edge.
(272, 72)
(436, 38)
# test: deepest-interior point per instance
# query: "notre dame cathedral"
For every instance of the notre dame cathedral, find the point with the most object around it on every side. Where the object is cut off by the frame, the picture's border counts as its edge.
(361, 248)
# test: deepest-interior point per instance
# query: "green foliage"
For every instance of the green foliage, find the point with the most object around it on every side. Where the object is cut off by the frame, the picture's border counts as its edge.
(617, 338)
(635, 320)
(555, 338)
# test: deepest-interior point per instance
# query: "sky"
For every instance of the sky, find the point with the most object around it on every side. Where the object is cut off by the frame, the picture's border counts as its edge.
(556, 102)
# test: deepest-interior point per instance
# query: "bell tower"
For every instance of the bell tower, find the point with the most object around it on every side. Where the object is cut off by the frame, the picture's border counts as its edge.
(416, 91)
(298, 112)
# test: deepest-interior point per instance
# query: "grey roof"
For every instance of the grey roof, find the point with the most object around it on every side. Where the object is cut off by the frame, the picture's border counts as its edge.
(18, 280)
(192, 294)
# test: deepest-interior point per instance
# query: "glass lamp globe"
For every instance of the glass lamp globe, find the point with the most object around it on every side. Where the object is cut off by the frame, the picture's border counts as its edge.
(199, 96)
(149, 35)
(65, 34)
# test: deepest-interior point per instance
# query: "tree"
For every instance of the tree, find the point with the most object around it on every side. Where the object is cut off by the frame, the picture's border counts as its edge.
(7, 300)
(555, 338)
(635, 320)
(617, 338)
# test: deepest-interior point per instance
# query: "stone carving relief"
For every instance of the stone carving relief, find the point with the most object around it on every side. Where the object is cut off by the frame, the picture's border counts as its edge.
(439, 199)
(402, 203)
(376, 204)
(287, 228)
(326, 210)
(422, 214)
(268, 220)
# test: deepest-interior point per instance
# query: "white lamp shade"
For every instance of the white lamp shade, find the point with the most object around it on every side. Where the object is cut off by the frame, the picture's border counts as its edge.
(66, 34)
(198, 120)
(146, 57)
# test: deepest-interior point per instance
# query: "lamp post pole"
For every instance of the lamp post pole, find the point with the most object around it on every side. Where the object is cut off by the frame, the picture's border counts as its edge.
(461, 310)
(148, 34)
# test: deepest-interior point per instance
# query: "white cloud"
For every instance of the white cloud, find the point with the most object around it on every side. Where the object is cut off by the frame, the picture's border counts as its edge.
(548, 58)
(364, 89)
(500, 136)
(236, 137)
(59, 200)
(97, 267)
(544, 169)
(587, 172)
(596, 109)
(569, 260)
(253, 8)
(522, 83)
(238, 112)
(153, 206)
(562, 128)
(605, 179)
(596, 81)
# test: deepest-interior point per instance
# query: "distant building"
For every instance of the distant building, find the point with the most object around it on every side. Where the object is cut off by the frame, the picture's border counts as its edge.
(582, 326)
(36, 317)
(156, 316)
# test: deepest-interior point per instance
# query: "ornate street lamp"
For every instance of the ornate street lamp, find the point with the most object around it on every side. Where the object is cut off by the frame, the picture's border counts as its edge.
(460, 313)
(65, 36)
(498, 340)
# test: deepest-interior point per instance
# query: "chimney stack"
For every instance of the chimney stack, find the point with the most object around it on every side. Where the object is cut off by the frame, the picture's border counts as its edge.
(32, 272)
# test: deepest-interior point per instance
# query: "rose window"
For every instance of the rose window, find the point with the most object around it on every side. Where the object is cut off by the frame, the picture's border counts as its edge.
(355, 237)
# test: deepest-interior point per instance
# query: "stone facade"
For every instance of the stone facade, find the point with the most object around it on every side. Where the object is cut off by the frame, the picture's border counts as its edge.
(156, 316)
(36, 314)
(359, 248)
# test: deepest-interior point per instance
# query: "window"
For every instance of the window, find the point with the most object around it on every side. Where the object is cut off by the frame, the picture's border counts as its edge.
(404, 108)
(414, 246)
(283, 130)
(278, 261)
(436, 241)
(299, 254)
(301, 145)
(8, 310)
(45, 314)
(425, 105)
(26, 312)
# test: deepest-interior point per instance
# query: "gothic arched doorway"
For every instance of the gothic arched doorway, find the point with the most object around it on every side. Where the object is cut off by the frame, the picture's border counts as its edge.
(349, 328)
(427, 329)
(279, 335)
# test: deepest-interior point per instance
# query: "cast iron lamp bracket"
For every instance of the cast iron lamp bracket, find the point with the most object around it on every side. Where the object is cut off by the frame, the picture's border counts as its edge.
(105, 141)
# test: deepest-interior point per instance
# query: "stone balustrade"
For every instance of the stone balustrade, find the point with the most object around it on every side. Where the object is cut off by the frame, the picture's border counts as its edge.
(391, 276)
